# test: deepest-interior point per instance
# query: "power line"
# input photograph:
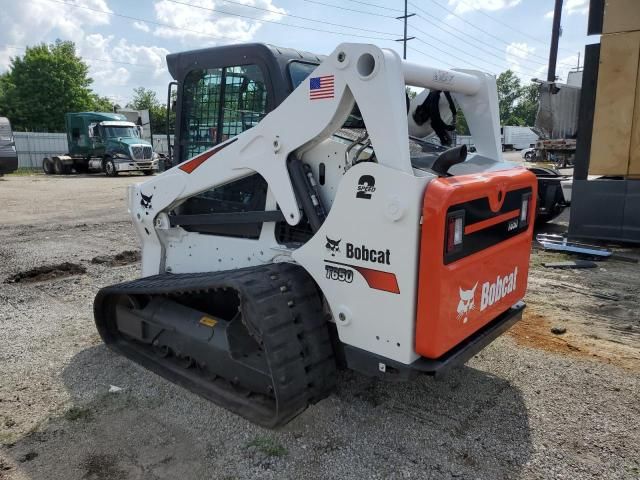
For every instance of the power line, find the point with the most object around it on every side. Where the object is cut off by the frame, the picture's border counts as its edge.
(376, 5)
(430, 56)
(349, 9)
(149, 22)
(466, 62)
(143, 65)
(467, 41)
(341, 8)
(307, 19)
(501, 67)
(520, 32)
(435, 2)
(199, 32)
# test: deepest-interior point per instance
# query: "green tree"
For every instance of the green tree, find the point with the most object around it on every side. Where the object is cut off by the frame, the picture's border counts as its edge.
(526, 108)
(43, 85)
(518, 103)
(461, 123)
(102, 104)
(509, 92)
(147, 99)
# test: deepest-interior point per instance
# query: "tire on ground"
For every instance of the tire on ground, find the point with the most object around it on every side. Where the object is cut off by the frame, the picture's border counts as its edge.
(58, 167)
(47, 166)
(109, 167)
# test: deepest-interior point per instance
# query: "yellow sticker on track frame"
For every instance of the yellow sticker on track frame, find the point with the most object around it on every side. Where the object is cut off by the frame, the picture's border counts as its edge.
(208, 322)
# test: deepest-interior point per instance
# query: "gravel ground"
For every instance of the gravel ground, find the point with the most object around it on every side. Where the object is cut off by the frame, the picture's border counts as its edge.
(532, 405)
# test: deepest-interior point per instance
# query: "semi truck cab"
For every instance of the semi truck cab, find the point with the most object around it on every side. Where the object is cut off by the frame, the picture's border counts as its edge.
(121, 142)
(105, 142)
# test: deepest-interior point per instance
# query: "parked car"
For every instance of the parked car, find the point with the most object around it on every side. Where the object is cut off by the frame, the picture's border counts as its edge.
(528, 154)
(8, 155)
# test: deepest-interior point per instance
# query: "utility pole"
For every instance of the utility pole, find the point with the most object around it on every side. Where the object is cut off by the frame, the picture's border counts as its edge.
(555, 37)
(404, 39)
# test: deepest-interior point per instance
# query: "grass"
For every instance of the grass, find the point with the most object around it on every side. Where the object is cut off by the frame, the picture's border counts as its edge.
(24, 171)
(7, 438)
(77, 413)
(268, 446)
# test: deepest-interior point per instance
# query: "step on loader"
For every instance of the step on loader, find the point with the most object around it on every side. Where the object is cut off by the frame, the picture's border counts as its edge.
(317, 218)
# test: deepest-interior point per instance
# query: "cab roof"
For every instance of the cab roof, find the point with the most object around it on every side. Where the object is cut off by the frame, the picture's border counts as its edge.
(98, 116)
(181, 62)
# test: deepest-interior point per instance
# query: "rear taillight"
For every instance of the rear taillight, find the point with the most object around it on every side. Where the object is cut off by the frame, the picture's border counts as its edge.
(524, 210)
(455, 231)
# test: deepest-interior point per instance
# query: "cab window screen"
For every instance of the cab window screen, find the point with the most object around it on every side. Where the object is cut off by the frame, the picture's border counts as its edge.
(220, 103)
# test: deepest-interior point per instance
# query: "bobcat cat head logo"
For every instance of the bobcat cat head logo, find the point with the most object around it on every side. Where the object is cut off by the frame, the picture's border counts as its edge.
(466, 303)
(333, 246)
(145, 200)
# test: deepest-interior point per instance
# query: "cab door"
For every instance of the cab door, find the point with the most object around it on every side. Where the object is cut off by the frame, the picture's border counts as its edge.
(218, 104)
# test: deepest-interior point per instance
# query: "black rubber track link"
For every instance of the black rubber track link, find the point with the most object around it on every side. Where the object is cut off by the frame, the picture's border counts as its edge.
(282, 308)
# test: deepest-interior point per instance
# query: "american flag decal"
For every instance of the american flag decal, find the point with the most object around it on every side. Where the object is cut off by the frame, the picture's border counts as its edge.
(321, 87)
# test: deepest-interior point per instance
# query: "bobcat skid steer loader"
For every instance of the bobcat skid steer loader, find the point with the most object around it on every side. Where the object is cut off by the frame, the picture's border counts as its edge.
(306, 230)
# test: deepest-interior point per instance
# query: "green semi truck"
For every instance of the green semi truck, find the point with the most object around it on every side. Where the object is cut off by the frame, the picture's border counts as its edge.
(102, 142)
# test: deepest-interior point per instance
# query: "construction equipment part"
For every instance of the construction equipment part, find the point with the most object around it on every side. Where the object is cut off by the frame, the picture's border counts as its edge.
(304, 230)
(561, 243)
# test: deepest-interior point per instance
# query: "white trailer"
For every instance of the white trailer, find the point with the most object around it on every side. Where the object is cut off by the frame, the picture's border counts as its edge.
(517, 138)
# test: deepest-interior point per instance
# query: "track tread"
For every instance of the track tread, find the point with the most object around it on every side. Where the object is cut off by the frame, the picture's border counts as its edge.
(284, 302)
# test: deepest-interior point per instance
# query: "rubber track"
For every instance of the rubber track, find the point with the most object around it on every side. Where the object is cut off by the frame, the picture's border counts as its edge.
(284, 308)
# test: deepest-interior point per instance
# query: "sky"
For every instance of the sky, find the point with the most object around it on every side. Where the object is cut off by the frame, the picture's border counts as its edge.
(125, 42)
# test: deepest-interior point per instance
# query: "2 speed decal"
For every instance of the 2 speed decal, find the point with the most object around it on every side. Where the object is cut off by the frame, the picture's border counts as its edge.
(366, 187)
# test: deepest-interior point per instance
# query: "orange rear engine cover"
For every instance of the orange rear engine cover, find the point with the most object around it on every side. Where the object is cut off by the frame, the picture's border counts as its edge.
(463, 287)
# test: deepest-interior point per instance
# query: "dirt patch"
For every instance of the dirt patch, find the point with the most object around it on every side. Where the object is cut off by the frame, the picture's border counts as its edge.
(44, 273)
(4, 467)
(101, 467)
(77, 413)
(27, 457)
(123, 258)
(535, 331)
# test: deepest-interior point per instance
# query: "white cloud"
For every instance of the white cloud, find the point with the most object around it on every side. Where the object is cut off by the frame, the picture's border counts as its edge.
(142, 26)
(516, 53)
(571, 7)
(119, 63)
(196, 25)
(29, 23)
(577, 6)
(463, 6)
(565, 65)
